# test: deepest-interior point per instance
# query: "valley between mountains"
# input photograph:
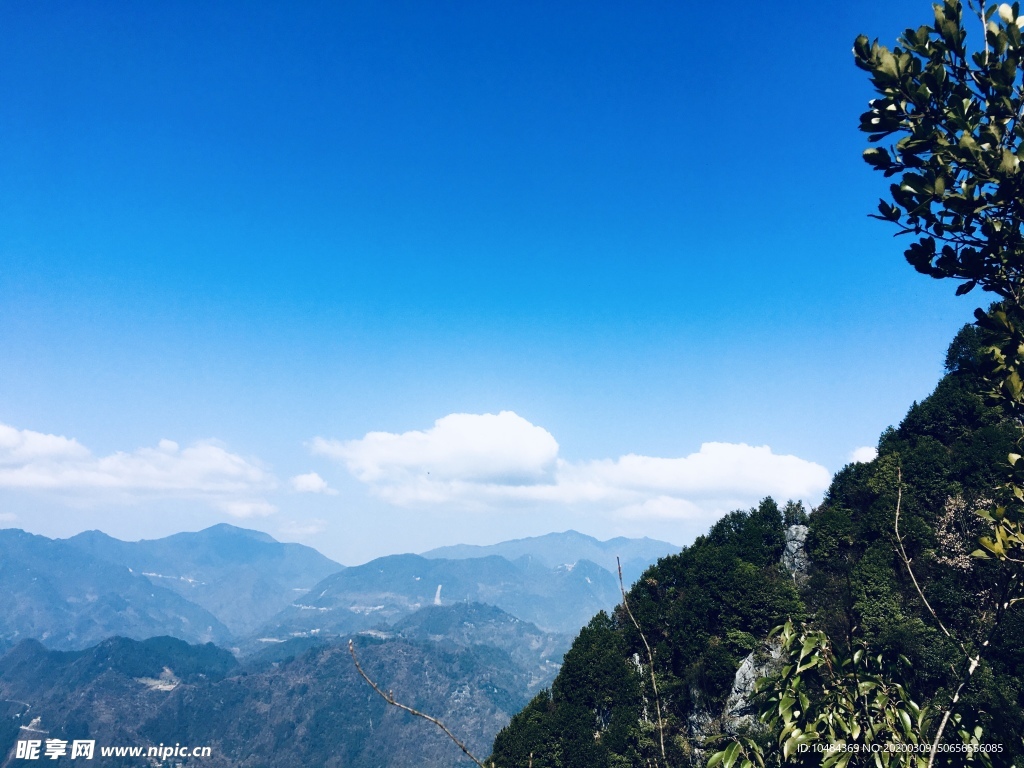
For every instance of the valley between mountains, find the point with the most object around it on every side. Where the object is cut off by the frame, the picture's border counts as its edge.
(228, 638)
(231, 640)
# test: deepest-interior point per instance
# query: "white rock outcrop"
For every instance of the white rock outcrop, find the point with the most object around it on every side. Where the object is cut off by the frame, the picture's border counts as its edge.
(794, 556)
(738, 714)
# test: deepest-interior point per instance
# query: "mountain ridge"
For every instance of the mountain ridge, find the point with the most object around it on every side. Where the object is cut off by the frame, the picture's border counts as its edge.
(312, 708)
(62, 595)
(241, 576)
(386, 589)
(567, 547)
(242, 584)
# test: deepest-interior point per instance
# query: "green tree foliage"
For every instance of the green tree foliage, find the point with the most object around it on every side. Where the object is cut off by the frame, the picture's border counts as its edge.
(705, 609)
(589, 717)
(895, 570)
(702, 611)
(794, 514)
(957, 114)
(942, 462)
(833, 711)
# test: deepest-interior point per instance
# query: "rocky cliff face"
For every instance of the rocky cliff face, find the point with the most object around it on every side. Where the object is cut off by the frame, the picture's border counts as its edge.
(794, 557)
(738, 713)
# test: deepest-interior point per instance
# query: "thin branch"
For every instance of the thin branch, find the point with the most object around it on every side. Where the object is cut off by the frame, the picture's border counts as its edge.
(949, 710)
(979, 8)
(390, 699)
(650, 659)
(906, 562)
(974, 660)
(984, 27)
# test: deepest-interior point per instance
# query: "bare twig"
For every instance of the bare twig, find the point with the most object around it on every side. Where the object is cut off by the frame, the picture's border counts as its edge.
(952, 705)
(980, 10)
(650, 659)
(906, 562)
(973, 661)
(390, 699)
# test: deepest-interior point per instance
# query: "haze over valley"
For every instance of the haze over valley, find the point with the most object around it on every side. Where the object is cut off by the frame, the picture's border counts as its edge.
(156, 629)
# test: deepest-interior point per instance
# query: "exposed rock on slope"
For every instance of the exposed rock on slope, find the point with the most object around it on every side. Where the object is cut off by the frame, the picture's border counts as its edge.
(794, 556)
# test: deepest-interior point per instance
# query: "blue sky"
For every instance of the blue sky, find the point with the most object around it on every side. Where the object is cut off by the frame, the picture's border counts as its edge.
(244, 227)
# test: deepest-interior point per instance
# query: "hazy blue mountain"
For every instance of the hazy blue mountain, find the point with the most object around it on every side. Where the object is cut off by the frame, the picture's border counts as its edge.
(68, 598)
(381, 592)
(472, 624)
(312, 709)
(554, 549)
(462, 625)
(225, 583)
(242, 577)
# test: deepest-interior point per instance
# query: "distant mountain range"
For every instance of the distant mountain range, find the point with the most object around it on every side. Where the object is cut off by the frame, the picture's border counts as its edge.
(68, 598)
(243, 589)
(383, 591)
(242, 577)
(210, 586)
(466, 633)
(554, 549)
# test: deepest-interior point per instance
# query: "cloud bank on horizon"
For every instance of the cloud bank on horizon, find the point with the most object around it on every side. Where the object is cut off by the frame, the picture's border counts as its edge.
(205, 470)
(466, 462)
(483, 461)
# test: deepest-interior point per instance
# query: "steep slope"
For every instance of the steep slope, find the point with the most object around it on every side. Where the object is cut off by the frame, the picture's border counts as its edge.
(708, 608)
(703, 611)
(312, 709)
(951, 452)
(68, 598)
(242, 577)
(471, 624)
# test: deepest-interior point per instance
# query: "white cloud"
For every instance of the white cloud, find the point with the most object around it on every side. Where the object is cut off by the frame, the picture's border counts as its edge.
(736, 468)
(304, 528)
(311, 483)
(42, 462)
(504, 449)
(489, 461)
(863, 454)
(663, 508)
(247, 507)
(24, 446)
(8, 517)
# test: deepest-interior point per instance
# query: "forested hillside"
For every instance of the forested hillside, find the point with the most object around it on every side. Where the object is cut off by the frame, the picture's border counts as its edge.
(709, 608)
(471, 664)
